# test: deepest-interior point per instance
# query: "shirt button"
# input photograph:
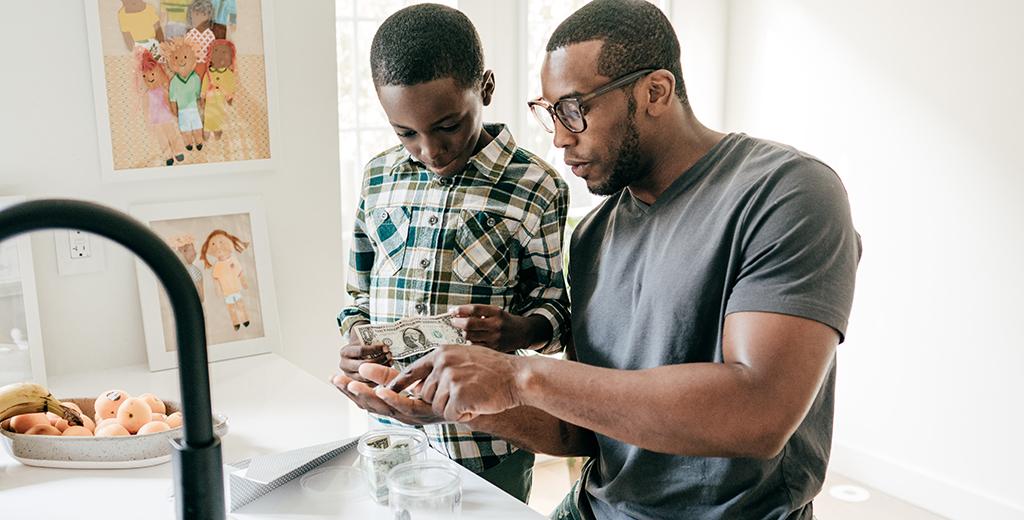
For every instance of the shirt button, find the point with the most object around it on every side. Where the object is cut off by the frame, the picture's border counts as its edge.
(383, 215)
(432, 220)
(445, 181)
(421, 308)
(491, 222)
(425, 262)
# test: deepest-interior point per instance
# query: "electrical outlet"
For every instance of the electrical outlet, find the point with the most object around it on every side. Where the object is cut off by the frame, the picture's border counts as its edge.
(78, 252)
(78, 244)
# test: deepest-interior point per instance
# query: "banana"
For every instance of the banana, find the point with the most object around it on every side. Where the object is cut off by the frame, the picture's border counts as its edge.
(19, 398)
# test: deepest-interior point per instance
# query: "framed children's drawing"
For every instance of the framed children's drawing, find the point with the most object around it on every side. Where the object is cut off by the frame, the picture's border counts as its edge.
(182, 87)
(21, 344)
(223, 245)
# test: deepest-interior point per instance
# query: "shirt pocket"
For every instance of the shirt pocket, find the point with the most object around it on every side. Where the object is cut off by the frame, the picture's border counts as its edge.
(485, 250)
(390, 232)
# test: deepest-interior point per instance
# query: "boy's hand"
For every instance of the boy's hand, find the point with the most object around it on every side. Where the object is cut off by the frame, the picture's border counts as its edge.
(499, 330)
(355, 354)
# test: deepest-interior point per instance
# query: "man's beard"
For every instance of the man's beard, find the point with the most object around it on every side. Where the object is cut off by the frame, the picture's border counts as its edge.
(627, 169)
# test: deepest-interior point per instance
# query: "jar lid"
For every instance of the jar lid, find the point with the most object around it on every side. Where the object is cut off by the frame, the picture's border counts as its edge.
(333, 482)
(424, 478)
(382, 440)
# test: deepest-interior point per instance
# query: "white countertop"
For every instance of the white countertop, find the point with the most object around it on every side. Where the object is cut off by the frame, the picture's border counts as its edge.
(271, 405)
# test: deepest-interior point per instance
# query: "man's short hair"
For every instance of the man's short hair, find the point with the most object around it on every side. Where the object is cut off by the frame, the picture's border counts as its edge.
(636, 35)
(425, 42)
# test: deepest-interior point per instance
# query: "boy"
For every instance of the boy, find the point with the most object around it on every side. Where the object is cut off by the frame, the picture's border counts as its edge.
(455, 218)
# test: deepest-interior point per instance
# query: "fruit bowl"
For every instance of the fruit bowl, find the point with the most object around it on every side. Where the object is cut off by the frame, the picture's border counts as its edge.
(134, 451)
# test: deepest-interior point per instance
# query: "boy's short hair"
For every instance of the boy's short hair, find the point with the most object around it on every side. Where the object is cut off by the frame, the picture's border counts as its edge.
(425, 42)
(636, 35)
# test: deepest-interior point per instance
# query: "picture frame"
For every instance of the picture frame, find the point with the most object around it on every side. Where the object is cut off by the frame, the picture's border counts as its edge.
(225, 246)
(140, 132)
(21, 344)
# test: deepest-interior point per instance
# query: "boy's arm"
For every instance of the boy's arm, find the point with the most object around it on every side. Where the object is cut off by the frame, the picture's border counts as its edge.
(541, 280)
(360, 263)
(527, 427)
(539, 320)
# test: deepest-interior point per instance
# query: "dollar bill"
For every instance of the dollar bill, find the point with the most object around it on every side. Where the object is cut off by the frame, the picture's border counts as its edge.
(411, 336)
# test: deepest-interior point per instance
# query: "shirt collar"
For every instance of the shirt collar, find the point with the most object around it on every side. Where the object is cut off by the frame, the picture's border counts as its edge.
(490, 162)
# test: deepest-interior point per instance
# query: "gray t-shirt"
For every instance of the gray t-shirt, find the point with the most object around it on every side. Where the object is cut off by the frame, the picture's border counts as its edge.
(752, 226)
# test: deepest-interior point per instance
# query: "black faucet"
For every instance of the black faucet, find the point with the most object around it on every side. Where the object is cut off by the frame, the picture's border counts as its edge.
(198, 474)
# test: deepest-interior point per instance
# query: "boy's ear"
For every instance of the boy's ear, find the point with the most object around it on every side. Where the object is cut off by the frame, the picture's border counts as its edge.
(487, 87)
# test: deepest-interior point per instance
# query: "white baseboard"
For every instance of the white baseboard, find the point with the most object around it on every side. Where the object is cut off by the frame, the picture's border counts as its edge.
(919, 487)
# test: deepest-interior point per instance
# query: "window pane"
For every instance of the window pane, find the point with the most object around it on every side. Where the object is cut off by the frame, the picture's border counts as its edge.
(346, 77)
(345, 7)
(379, 9)
(370, 112)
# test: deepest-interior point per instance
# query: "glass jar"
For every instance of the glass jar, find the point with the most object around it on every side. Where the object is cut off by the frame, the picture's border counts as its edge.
(381, 450)
(424, 490)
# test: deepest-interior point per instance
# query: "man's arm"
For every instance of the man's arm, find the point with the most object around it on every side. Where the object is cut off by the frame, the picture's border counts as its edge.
(529, 428)
(538, 432)
(747, 406)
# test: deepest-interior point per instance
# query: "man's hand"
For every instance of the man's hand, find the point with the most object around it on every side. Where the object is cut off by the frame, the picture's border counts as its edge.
(381, 400)
(461, 382)
(354, 354)
(493, 327)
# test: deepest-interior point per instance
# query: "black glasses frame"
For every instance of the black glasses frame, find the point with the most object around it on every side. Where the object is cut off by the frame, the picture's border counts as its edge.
(579, 102)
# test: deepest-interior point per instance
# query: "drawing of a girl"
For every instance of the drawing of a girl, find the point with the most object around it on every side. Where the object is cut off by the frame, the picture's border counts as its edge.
(156, 107)
(219, 85)
(228, 275)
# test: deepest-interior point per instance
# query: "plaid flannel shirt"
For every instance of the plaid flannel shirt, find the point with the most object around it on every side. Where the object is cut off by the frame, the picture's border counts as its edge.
(491, 234)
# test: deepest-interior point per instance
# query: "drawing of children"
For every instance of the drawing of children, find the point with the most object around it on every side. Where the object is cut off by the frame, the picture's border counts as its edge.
(184, 90)
(228, 275)
(201, 31)
(225, 17)
(174, 16)
(185, 245)
(153, 82)
(219, 85)
(140, 26)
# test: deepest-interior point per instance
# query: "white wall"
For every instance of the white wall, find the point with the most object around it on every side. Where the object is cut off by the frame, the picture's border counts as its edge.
(49, 148)
(702, 28)
(917, 105)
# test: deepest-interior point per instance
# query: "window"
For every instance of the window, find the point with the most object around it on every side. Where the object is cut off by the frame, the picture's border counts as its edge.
(363, 128)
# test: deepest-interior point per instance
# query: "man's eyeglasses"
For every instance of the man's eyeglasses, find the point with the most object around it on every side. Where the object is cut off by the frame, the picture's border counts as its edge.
(570, 110)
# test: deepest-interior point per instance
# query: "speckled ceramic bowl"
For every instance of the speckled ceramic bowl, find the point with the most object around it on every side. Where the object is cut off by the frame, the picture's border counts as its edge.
(133, 451)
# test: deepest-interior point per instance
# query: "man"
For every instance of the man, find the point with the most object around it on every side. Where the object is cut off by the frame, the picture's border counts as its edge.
(709, 293)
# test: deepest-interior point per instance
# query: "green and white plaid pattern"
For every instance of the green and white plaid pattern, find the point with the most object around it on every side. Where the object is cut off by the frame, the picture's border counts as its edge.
(491, 235)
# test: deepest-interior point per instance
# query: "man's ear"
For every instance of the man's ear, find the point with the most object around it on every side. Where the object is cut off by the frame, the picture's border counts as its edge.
(659, 90)
(487, 87)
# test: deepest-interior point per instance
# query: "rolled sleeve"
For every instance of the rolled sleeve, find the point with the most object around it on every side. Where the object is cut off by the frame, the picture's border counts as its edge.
(359, 267)
(542, 281)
